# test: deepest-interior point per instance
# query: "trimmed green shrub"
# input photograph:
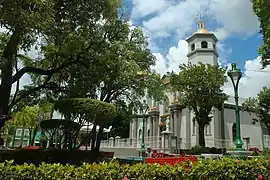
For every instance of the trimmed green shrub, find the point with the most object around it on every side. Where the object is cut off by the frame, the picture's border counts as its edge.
(266, 152)
(197, 150)
(74, 157)
(223, 169)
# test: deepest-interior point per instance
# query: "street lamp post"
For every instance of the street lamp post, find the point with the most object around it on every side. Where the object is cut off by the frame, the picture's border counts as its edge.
(235, 75)
(144, 109)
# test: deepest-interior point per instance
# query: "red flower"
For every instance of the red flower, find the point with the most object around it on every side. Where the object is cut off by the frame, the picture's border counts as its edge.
(125, 178)
(260, 177)
(254, 149)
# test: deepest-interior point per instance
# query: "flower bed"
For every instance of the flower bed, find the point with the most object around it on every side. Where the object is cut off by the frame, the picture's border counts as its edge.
(223, 169)
(170, 160)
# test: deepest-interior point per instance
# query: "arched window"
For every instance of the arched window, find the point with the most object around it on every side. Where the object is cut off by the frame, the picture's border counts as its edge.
(192, 47)
(204, 44)
(140, 133)
(148, 132)
(234, 131)
(214, 46)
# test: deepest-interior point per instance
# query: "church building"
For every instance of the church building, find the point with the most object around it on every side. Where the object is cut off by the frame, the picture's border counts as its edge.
(220, 133)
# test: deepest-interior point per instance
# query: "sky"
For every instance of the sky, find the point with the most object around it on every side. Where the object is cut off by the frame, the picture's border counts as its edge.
(167, 23)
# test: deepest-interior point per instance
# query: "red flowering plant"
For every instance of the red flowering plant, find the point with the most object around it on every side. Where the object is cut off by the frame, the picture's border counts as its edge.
(255, 151)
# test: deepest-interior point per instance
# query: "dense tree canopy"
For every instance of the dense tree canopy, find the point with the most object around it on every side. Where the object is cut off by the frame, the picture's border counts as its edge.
(260, 106)
(59, 26)
(262, 10)
(120, 68)
(85, 110)
(121, 71)
(200, 89)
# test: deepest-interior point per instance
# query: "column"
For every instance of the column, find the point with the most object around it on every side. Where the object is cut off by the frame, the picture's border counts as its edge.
(111, 144)
(188, 128)
(171, 122)
(175, 111)
(151, 130)
(131, 128)
(154, 126)
(136, 124)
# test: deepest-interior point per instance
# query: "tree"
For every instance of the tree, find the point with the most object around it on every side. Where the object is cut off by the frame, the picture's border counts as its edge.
(120, 123)
(123, 69)
(26, 119)
(200, 88)
(61, 132)
(85, 111)
(122, 72)
(260, 106)
(262, 10)
(29, 116)
(56, 23)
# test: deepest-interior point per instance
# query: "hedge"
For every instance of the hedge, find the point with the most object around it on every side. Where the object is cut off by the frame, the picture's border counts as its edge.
(37, 156)
(223, 169)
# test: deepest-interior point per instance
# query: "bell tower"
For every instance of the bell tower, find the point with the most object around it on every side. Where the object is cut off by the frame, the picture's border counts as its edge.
(202, 46)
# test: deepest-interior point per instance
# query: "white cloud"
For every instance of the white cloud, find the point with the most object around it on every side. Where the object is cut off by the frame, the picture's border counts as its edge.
(250, 84)
(235, 16)
(144, 8)
(254, 78)
(176, 55)
(160, 66)
(221, 33)
(179, 17)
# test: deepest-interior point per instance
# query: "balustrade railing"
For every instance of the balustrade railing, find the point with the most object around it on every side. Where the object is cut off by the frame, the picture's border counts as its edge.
(155, 142)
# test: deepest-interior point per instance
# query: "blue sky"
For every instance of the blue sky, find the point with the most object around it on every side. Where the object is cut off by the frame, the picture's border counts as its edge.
(167, 23)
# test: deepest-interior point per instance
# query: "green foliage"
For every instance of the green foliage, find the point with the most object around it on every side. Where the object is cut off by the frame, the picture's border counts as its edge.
(52, 155)
(120, 123)
(86, 109)
(197, 150)
(65, 31)
(121, 62)
(200, 89)
(260, 106)
(266, 152)
(59, 124)
(262, 10)
(27, 117)
(223, 169)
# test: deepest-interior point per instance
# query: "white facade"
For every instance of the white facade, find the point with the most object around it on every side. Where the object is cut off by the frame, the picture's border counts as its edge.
(219, 133)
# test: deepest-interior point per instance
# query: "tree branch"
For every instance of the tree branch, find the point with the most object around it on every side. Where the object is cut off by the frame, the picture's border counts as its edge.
(39, 71)
(31, 91)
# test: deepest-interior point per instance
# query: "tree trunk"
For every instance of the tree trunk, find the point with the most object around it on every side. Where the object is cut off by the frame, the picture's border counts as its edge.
(6, 79)
(33, 137)
(201, 135)
(94, 134)
(85, 140)
(14, 137)
(30, 136)
(69, 141)
(99, 136)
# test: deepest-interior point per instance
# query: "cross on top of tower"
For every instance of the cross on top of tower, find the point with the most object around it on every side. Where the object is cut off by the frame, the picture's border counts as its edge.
(201, 25)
